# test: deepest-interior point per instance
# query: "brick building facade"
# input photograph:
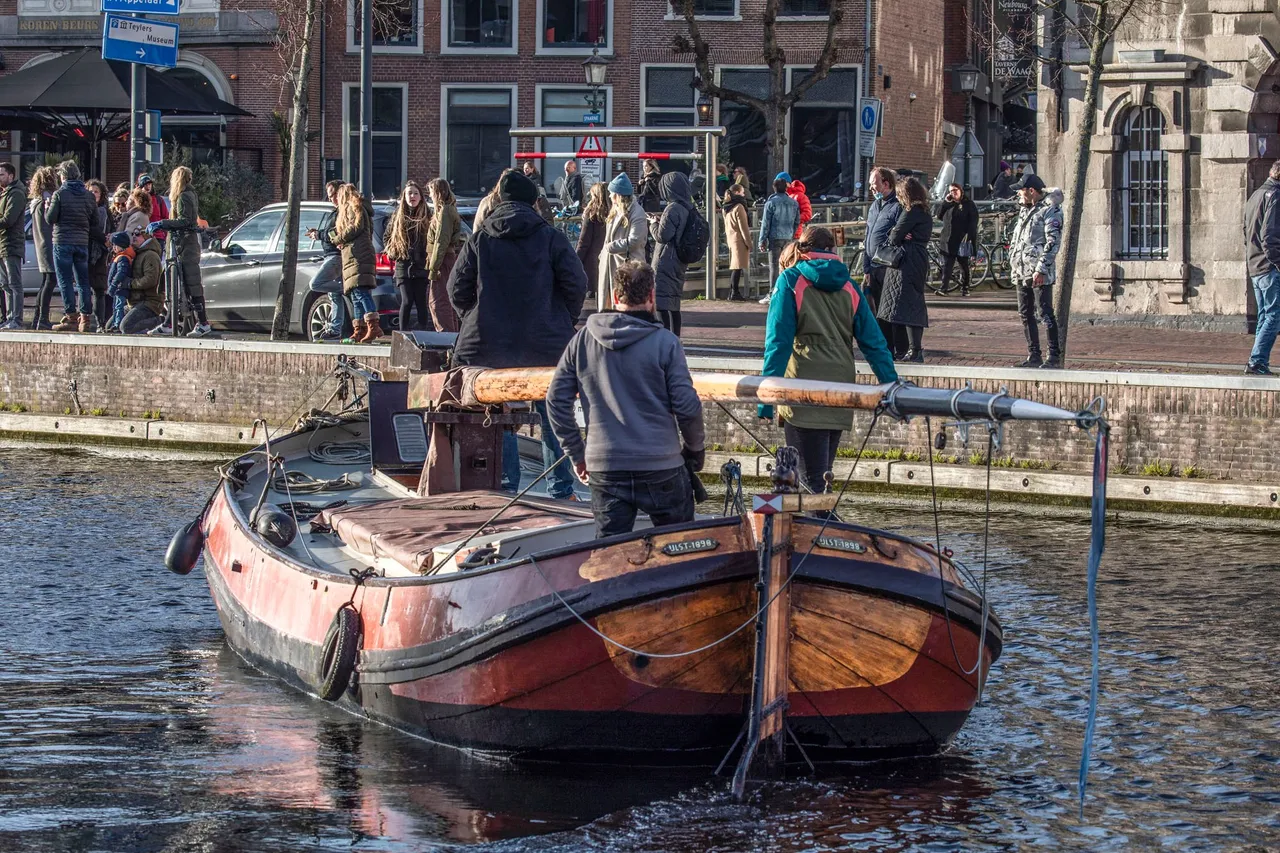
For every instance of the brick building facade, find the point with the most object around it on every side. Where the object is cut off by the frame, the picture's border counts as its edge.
(451, 77)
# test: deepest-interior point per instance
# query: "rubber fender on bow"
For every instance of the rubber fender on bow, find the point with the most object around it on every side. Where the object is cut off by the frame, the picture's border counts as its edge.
(338, 655)
(184, 549)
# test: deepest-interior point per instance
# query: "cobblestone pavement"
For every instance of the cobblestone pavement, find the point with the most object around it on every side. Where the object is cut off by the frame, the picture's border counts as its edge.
(993, 337)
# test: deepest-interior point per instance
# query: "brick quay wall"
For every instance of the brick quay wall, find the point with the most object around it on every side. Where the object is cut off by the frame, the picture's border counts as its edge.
(1215, 427)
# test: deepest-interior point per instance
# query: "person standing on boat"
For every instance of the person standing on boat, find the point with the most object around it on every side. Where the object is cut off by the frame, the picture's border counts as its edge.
(644, 418)
(518, 288)
(815, 317)
(1262, 262)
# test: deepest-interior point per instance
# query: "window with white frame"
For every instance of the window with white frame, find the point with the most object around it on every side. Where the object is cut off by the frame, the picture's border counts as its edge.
(670, 101)
(823, 133)
(575, 23)
(389, 118)
(564, 108)
(397, 25)
(480, 23)
(477, 138)
(1144, 186)
(805, 8)
(706, 8)
(745, 141)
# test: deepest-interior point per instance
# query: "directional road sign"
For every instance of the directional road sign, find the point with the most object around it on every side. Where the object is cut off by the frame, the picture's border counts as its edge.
(142, 41)
(141, 7)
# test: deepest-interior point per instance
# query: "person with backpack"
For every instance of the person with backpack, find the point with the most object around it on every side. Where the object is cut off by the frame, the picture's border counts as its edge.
(816, 315)
(680, 235)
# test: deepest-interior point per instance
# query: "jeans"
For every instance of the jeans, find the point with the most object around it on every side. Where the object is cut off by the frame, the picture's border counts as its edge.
(11, 279)
(72, 265)
(1033, 300)
(948, 265)
(140, 319)
(775, 261)
(817, 453)
(1266, 288)
(362, 300)
(616, 496)
(559, 481)
(119, 305)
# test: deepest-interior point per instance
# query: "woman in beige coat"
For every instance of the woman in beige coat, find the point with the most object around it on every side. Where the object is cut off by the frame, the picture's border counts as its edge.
(625, 233)
(737, 233)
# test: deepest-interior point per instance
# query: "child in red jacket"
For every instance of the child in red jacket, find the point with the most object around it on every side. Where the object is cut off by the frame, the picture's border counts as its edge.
(796, 190)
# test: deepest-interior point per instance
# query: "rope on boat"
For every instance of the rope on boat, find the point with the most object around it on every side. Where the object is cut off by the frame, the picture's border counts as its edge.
(875, 417)
(304, 484)
(342, 453)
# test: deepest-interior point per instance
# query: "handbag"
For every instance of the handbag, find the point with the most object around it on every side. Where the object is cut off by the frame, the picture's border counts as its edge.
(965, 250)
(887, 256)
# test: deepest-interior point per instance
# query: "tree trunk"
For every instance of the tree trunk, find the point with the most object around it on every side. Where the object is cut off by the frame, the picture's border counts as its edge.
(1080, 172)
(775, 123)
(297, 180)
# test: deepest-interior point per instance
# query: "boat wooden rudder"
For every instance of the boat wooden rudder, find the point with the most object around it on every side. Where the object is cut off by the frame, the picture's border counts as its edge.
(769, 637)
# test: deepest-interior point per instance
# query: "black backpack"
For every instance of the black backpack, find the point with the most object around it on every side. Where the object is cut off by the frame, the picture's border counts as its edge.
(691, 244)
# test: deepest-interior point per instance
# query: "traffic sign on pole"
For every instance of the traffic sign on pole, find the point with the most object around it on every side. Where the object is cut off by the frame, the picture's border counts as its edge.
(868, 126)
(141, 7)
(140, 41)
(591, 161)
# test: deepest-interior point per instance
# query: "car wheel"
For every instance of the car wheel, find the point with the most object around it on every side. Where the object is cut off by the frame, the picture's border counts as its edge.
(320, 314)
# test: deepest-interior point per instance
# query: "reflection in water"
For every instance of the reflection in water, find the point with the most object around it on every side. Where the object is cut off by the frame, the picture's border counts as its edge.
(126, 725)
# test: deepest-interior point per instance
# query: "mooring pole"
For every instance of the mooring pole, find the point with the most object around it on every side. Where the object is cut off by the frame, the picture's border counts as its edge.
(710, 150)
(366, 99)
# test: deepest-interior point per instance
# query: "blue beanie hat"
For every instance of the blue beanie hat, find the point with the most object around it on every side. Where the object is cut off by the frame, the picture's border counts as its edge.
(782, 176)
(621, 185)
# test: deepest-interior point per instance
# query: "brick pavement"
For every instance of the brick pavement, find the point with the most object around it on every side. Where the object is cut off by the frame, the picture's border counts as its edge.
(993, 337)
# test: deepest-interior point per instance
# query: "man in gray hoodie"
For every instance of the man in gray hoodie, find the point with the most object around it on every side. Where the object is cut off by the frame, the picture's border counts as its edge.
(643, 417)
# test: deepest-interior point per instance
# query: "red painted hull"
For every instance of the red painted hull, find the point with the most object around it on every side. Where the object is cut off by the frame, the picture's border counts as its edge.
(492, 661)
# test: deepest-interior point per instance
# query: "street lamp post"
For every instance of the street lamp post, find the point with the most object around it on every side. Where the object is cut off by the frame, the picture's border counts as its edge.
(594, 67)
(965, 79)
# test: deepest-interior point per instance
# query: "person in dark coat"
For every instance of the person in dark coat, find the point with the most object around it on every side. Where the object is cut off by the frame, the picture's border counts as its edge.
(902, 302)
(959, 236)
(73, 213)
(882, 215)
(40, 190)
(570, 186)
(591, 237)
(666, 230)
(99, 256)
(13, 243)
(1002, 187)
(405, 244)
(353, 235)
(518, 288)
(648, 191)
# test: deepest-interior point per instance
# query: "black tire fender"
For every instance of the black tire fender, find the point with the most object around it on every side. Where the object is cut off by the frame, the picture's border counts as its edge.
(339, 652)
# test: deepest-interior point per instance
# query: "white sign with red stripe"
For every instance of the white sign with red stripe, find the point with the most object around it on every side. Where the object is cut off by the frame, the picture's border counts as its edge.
(766, 504)
(590, 162)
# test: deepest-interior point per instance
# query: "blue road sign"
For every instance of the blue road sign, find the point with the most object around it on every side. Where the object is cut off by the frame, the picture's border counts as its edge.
(138, 40)
(141, 7)
(591, 118)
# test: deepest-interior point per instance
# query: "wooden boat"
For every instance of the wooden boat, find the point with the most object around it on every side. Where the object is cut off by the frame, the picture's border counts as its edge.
(794, 637)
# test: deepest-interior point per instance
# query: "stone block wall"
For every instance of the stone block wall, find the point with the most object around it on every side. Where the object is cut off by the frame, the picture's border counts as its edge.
(1225, 425)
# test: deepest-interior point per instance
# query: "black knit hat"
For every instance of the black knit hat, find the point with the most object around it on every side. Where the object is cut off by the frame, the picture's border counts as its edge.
(514, 186)
(120, 239)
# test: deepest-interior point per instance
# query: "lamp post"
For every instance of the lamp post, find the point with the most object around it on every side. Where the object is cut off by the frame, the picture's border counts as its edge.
(595, 67)
(704, 107)
(965, 79)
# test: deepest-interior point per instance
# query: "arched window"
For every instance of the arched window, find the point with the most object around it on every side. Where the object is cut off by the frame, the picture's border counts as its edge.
(1144, 186)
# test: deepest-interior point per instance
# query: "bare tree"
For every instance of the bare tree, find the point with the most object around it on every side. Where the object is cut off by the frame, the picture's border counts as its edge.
(1093, 24)
(778, 103)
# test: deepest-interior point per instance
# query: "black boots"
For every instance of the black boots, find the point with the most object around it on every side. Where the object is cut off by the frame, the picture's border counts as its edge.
(1033, 360)
(1053, 362)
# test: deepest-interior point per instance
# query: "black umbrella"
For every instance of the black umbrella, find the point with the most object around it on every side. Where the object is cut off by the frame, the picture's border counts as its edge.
(81, 81)
(89, 96)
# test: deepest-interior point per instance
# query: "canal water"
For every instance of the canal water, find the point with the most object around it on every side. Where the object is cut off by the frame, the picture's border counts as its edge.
(127, 725)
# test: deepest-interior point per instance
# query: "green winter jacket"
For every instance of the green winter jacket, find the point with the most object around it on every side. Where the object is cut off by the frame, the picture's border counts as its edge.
(815, 316)
(13, 203)
(186, 214)
(359, 262)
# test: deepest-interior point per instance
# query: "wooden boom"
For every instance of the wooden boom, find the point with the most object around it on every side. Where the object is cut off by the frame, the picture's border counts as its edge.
(521, 383)
(530, 383)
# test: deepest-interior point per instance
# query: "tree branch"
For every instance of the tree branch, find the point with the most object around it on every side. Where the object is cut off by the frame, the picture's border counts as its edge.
(826, 61)
(702, 62)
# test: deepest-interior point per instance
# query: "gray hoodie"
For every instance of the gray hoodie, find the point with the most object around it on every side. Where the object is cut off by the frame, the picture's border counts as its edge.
(637, 396)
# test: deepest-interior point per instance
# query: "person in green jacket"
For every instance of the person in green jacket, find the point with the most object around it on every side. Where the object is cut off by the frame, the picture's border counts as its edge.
(13, 243)
(816, 315)
(184, 228)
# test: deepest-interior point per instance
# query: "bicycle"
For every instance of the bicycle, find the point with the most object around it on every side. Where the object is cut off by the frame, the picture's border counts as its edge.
(181, 316)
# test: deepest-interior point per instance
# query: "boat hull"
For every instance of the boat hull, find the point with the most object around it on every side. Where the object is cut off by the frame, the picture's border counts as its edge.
(504, 660)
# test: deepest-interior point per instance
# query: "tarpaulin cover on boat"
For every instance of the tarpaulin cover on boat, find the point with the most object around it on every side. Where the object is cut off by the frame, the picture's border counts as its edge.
(408, 530)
